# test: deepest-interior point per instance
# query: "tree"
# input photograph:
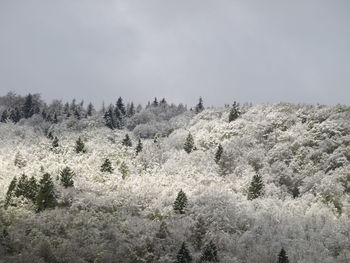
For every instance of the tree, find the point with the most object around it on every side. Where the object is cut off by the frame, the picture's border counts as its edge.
(131, 110)
(163, 231)
(183, 256)
(210, 253)
(55, 142)
(256, 188)
(118, 119)
(15, 115)
(199, 232)
(10, 192)
(46, 195)
(120, 106)
(199, 107)
(90, 109)
(80, 146)
(219, 153)
(67, 177)
(28, 109)
(32, 189)
(282, 257)
(155, 102)
(234, 112)
(107, 166)
(127, 141)
(189, 143)
(124, 170)
(139, 147)
(4, 116)
(109, 119)
(180, 203)
(22, 186)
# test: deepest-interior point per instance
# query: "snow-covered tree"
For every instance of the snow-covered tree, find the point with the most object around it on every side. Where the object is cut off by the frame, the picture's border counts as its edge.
(183, 255)
(180, 203)
(282, 257)
(189, 143)
(256, 188)
(66, 177)
(46, 197)
(210, 253)
(80, 146)
(107, 166)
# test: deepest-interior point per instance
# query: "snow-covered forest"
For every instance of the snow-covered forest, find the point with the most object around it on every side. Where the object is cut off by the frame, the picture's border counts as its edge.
(173, 183)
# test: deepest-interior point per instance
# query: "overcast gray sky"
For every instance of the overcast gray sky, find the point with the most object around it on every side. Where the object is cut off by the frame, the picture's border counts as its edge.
(222, 50)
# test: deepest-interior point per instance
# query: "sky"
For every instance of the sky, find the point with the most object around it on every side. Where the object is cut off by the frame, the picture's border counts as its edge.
(223, 50)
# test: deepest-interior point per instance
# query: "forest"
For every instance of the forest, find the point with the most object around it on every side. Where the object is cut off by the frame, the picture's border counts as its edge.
(165, 182)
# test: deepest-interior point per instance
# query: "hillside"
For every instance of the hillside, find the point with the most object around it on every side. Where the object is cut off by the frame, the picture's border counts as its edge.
(301, 153)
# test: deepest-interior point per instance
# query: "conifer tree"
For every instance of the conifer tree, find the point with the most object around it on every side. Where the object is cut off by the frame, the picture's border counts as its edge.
(163, 231)
(210, 253)
(118, 119)
(90, 109)
(199, 232)
(28, 109)
(219, 153)
(124, 170)
(50, 135)
(127, 141)
(120, 106)
(139, 147)
(180, 203)
(131, 110)
(199, 107)
(80, 146)
(15, 115)
(32, 189)
(282, 257)
(66, 178)
(109, 119)
(10, 192)
(155, 102)
(183, 256)
(46, 194)
(234, 112)
(189, 143)
(256, 188)
(107, 166)
(22, 186)
(4, 116)
(55, 142)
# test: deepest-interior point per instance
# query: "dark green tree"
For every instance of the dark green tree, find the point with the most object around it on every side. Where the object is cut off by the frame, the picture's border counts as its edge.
(210, 253)
(183, 256)
(107, 166)
(234, 112)
(80, 146)
(90, 109)
(199, 232)
(4, 116)
(131, 110)
(256, 188)
(109, 118)
(199, 107)
(66, 177)
(127, 141)
(120, 105)
(295, 192)
(10, 192)
(139, 147)
(46, 194)
(118, 118)
(22, 186)
(28, 107)
(15, 115)
(55, 142)
(219, 153)
(32, 189)
(282, 257)
(189, 143)
(180, 203)
(155, 102)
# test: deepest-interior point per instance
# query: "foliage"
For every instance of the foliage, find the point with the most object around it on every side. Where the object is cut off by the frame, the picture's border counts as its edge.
(66, 177)
(180, 203)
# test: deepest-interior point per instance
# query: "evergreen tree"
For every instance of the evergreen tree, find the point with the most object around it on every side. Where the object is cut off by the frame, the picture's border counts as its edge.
(295, 192)
(32, 189)
(155, 102)
(189, 143)
(199, 106)
(46, 195)
(90, 109)
(77, 114)
(80, 146)
(118, 119)
(180, 203)
(15, 115)
(107, 166)
(67, 177)
(183, 256)
(131, 110)
(282, 257)
(50, 135)
(55, 142)
(219, 153)
(66, 110)
(109, 119)
(55, 120)
(234, 113)
(124, 170)
(163, 231)
(163, 102)
(4, 116)
(22, 186)
(199, 232)
(210, 253)
(127, 141)
(28, 109)
(120, 106)
(256, 188)
(139, 147)
(10, 192)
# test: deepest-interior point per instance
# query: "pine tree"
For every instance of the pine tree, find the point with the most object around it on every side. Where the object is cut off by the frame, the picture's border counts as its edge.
(127, 141)
(66, 178)
(180, 203)
(210, 253)
(120, 106)
(139, 147)
(28, 109)
(199, 232)
(15, 115)
(163, 231)
(183, 256)
(219, 153)
(199, 107)
(118, 119)
(90, 109)
(234, 113)
(107, 166)
(109, 119)
(189, 143)
(10, 192)
(282, 257)
(131, 110)
(295, 192)
(4, 116)
(124, 170)
(22, 186)
(256, 188)
(55, 142)
(46, 195)
(80, 146)
(32, 189)
(155, 102)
